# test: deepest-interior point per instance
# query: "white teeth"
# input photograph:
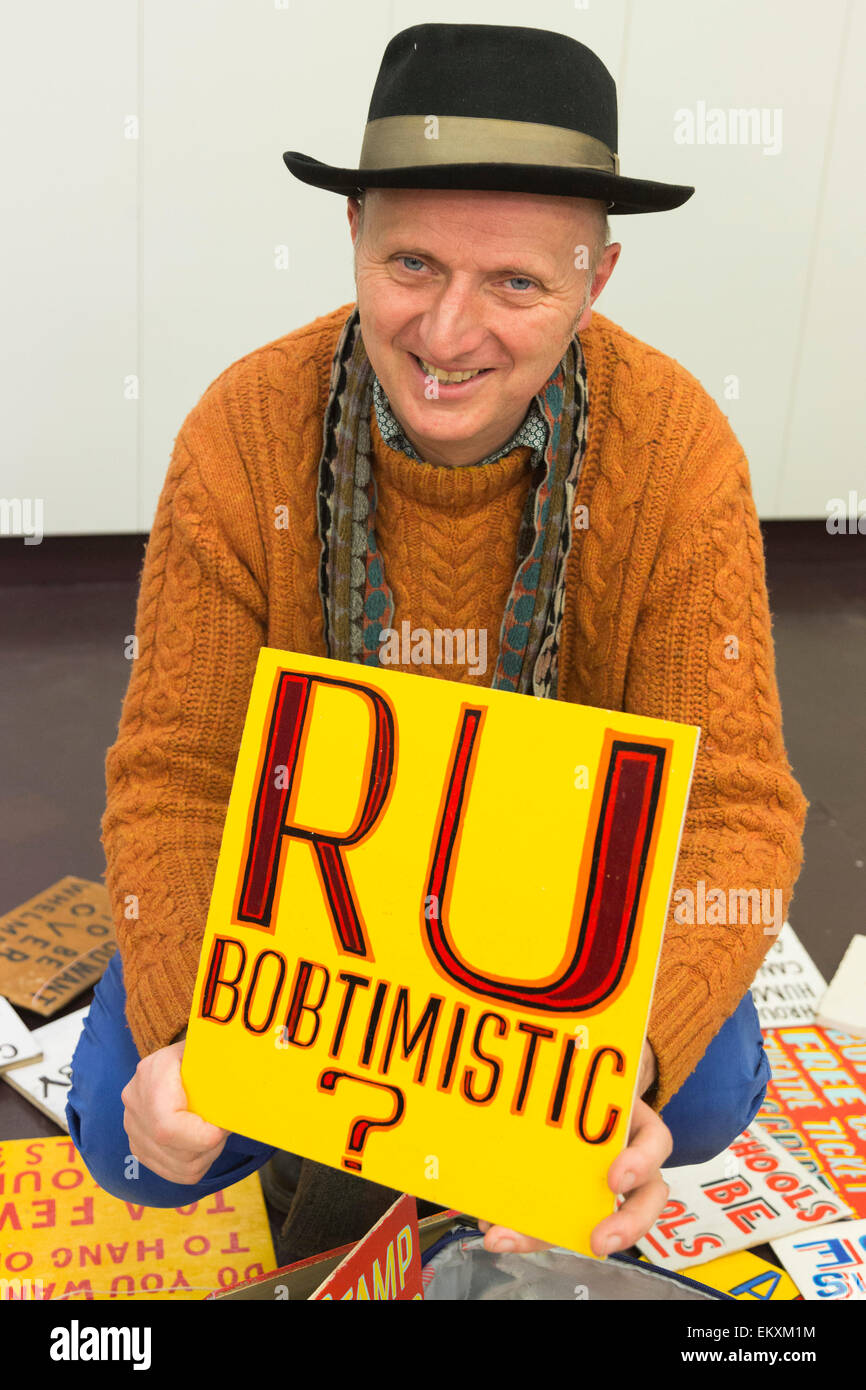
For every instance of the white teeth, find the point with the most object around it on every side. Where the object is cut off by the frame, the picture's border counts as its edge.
(447, 376)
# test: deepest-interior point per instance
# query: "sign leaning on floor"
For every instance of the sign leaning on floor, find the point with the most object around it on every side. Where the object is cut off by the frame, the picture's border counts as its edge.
(430, 955)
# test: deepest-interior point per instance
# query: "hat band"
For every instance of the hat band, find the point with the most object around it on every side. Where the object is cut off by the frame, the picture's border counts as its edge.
(401, 142)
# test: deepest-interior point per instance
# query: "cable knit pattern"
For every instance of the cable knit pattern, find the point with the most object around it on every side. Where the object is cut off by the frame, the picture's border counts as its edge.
(448, 536)
(666, 615)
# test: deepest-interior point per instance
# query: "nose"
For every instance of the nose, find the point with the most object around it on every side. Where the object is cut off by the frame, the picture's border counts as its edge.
(452, 331)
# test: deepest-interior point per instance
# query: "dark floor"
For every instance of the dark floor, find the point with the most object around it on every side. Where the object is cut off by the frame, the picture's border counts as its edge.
(67, 605)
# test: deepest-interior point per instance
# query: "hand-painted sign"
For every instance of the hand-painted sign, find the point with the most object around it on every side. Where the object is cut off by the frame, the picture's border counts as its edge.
(816, 1104)
(16, 1041)
(788, 985)
(844, 1005)
(63, 1237)
(829, 1263)
(385, 1265)
(750, 1193)
(55, 945)
(434, 933)
(748, 1278)
(46, 1083)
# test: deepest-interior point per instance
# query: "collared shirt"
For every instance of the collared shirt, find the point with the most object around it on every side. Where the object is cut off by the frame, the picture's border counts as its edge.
(533, 430)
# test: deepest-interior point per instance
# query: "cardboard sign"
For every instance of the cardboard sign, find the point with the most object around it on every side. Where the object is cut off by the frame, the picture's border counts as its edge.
(844, 1005)
(816, 1104)
(386, 1265)
(750, 1193)
(63, 1237)
(45, 1083)
(433, 936)
(827, 1264)
(55, 945)
(16, 1041)
(788, 985)
(748, 1278)
(300, 1282)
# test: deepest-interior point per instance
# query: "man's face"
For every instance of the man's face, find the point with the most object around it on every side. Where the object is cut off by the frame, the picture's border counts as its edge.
(461, 281)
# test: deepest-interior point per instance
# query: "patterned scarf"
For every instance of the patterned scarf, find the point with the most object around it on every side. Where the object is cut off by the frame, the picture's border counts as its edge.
(356, 600)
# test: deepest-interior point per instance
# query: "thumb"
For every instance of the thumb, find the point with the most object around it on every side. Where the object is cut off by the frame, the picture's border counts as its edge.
(197, 1133)
(191, 1128)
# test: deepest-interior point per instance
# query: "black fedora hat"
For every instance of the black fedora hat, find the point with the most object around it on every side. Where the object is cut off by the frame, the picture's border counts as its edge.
(490, 106)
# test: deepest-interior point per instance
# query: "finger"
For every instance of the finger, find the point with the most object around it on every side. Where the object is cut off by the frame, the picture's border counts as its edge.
(190, 1133)
(184, 1176)
(634, 1218)
(184, 1139)
(172, 1167)
(156, 1144)
(647, 1070)
(163, 1085)
(502, 1240)
(157, 1078)
(178, 1127)
(650, 1146)
(182, 1135)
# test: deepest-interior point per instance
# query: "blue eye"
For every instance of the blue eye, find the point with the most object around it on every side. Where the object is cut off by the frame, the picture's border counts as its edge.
(403, 259)
(524, 278)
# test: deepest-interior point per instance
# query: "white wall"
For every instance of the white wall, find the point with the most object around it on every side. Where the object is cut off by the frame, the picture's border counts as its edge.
(147, 205)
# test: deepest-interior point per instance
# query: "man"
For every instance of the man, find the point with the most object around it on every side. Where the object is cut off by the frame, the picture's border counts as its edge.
(467, 447)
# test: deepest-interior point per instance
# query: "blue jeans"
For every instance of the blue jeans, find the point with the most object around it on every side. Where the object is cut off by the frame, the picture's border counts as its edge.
(714, 1105)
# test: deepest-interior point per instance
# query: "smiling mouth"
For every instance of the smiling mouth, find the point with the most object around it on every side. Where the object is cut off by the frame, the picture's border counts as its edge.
(449, 378)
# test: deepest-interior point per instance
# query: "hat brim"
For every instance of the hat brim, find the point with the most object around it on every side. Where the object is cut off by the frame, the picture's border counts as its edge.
(624, 195)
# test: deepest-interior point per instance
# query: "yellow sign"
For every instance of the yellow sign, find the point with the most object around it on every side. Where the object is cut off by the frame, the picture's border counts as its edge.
(433, 935)
(62, 1237)
(745, 1276)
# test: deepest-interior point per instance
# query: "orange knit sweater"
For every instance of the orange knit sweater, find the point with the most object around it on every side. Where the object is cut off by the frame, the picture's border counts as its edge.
(668, 571)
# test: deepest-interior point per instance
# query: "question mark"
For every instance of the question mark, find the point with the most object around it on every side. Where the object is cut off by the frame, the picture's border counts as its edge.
(361, 1126)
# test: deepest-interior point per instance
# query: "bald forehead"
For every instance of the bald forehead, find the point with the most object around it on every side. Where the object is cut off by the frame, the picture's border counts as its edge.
(534, 222)
(512, 208)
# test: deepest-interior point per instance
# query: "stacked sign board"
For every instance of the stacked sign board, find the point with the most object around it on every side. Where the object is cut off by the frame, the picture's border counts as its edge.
(799, 1167)
(436, 957)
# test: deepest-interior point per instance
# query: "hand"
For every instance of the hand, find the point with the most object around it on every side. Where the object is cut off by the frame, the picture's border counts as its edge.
(163, 1133)
(648, 1071)
(634, 1172)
